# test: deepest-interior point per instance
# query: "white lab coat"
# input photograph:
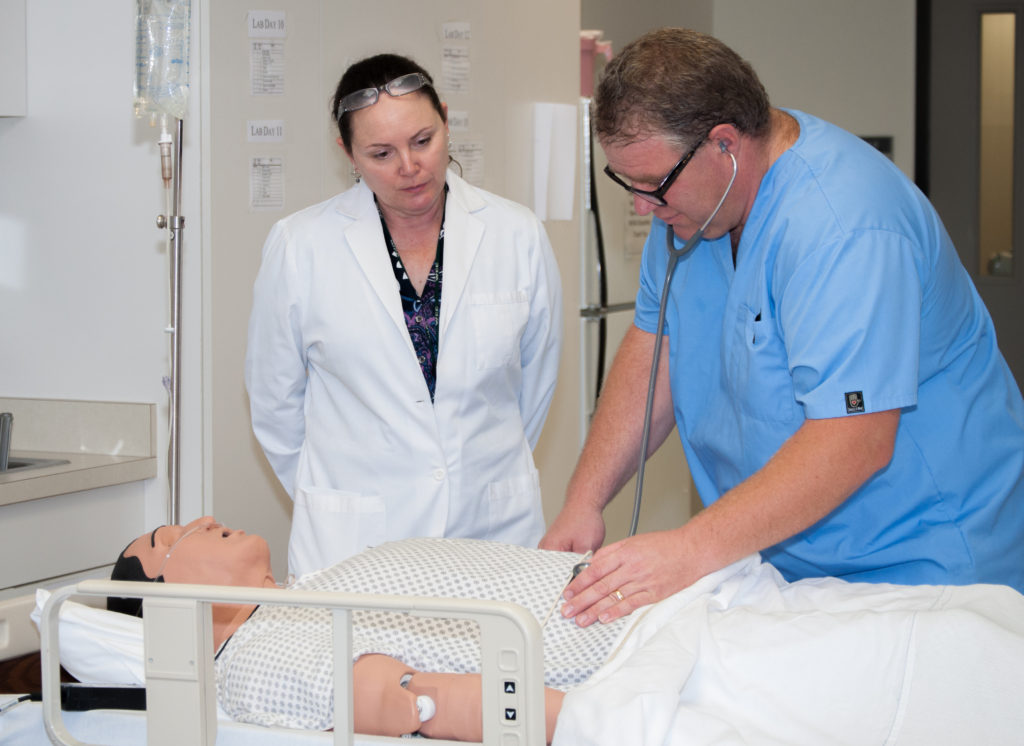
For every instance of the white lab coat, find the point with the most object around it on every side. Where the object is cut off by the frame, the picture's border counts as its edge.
(338, 400)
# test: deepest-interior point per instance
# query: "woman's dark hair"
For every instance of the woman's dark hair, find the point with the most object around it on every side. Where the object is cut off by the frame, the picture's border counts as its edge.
(374, 72)
(129, 568)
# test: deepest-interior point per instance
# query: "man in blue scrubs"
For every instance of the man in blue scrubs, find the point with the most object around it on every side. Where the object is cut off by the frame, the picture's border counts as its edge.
(832, 372)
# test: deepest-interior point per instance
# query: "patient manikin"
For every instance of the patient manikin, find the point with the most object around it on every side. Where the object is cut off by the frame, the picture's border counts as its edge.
(397, 689)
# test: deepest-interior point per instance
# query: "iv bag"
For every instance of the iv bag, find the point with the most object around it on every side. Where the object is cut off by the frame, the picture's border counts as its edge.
(161, 57)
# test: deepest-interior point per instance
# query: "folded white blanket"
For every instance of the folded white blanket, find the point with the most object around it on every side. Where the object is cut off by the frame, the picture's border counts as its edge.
(743, 657)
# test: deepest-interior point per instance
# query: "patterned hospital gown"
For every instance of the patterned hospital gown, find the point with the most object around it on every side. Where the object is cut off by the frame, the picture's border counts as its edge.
(277, 669)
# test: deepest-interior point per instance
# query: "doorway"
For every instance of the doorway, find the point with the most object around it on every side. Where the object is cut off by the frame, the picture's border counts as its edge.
(971, 68)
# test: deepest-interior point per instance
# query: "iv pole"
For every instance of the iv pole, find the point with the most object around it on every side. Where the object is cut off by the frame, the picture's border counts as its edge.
(175, 223)
(161, 85)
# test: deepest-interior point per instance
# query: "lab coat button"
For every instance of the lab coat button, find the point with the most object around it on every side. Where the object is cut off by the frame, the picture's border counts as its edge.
(438, 474)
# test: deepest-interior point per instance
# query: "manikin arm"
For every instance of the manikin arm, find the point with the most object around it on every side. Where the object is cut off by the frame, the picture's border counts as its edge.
(385, 706)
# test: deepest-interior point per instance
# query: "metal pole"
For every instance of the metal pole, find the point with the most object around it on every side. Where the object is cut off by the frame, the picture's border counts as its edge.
(177, 224)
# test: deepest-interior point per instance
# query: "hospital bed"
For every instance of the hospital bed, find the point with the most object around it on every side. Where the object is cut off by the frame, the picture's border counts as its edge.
(739, 657)
(180, 691)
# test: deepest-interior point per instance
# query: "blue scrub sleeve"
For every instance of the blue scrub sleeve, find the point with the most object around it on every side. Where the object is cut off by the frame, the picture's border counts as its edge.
(850, 315)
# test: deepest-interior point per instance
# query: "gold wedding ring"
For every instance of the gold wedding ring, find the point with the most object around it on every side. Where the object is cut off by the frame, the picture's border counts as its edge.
(617, 595)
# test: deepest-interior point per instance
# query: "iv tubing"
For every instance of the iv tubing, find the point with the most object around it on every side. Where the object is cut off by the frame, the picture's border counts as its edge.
(165, 143)
(674, 255)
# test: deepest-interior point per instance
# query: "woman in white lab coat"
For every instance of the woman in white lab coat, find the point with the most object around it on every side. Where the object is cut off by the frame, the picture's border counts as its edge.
(404, 340)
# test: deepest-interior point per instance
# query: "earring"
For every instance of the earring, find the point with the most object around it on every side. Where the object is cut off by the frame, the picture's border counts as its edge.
(449, 142)
(356, 175)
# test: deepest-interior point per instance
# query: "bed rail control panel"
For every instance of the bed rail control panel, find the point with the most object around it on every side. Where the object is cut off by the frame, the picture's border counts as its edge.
(510, 702)
(180, 693)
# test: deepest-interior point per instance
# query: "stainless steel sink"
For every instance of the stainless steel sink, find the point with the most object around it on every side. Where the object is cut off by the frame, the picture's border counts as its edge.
(16, 463)
(19, 463)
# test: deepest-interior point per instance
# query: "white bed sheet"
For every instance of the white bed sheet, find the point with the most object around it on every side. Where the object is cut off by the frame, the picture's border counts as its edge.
(742, 657)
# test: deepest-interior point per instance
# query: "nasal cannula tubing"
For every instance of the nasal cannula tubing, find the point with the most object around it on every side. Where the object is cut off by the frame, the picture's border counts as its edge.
(163, 565)
(674, 255)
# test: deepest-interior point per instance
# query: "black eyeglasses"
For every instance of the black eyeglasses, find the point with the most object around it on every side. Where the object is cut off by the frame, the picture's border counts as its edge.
(657, 196)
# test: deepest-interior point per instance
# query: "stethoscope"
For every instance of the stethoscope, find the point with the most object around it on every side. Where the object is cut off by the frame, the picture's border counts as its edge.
(674, 255)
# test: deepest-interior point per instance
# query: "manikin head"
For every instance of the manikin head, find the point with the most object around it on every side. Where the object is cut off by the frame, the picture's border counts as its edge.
(202, 552)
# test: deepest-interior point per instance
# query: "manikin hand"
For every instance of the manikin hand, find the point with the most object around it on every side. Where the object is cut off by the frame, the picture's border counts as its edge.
(383, 707)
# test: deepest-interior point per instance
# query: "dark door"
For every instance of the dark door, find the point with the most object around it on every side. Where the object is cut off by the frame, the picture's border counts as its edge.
(972, 64)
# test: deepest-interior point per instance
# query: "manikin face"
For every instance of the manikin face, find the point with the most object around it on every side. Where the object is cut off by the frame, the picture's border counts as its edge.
(203, 552)
(400, 147)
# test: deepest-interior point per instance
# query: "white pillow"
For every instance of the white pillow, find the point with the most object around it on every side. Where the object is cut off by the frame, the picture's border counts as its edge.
(97, 646)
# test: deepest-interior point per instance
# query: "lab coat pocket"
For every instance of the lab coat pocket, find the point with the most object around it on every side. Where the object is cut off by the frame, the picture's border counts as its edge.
(516, 516)
(330, 525)
(499, 320)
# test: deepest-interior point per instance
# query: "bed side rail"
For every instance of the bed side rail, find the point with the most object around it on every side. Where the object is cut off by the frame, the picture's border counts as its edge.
(180, 691)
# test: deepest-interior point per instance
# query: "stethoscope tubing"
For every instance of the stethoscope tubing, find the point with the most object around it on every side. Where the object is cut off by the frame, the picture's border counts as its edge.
(674, 255)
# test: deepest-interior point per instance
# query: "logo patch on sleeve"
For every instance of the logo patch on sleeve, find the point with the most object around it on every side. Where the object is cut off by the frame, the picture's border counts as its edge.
(854, 402)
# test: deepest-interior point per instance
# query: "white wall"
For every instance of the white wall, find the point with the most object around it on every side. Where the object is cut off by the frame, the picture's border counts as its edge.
(624, 21)
(851, 63)
(83, 269)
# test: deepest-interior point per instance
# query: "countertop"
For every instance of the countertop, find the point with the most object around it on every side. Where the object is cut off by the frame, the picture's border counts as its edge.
(104, 443)
(84, 471)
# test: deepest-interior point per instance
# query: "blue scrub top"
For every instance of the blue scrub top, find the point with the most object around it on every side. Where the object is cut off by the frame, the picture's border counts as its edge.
(848, 297)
